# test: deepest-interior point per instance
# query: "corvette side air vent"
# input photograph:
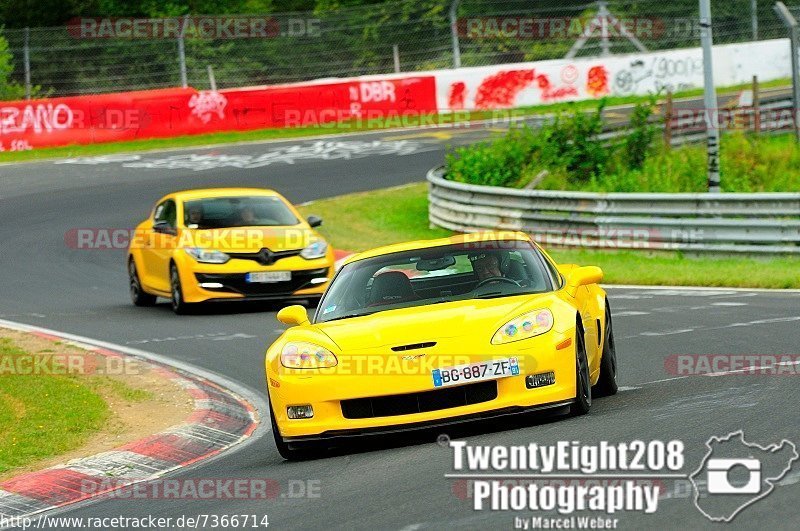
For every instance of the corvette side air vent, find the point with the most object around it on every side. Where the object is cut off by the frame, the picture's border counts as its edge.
(414, 346)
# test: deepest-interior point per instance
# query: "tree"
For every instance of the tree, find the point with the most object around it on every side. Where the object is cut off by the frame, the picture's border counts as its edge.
(9, 90)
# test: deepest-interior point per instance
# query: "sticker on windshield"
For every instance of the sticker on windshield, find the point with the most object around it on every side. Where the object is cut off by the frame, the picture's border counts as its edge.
(329, 309)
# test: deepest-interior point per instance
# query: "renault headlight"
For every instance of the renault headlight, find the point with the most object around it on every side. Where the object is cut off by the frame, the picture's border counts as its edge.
(302, 355)
(525, 326)
(318, 249)
(207, 256)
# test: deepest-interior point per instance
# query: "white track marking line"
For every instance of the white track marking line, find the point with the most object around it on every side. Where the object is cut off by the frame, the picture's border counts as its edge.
(699, 288)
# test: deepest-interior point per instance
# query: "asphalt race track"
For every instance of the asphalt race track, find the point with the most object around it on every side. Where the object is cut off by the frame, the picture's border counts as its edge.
(395, 484)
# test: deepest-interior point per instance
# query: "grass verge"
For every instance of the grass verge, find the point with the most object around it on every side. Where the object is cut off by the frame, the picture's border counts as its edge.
(361, 221)
(56, 405)
(332, 129)
(43, 415)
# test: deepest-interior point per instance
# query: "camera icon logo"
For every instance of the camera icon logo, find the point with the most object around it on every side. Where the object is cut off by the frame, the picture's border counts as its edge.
(735, 474)
(719, 476)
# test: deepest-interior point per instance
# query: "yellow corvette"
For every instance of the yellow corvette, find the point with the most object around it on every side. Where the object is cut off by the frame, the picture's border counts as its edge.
(432, 333)
(227, 244)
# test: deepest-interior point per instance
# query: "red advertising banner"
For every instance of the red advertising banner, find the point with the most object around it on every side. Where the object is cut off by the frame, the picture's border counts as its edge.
(175, 112)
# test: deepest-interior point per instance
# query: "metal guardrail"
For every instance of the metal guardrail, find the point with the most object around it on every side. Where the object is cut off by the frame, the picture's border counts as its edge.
(758, 223)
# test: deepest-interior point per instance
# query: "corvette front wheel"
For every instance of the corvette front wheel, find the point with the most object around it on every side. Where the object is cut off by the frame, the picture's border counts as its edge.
(583, 384)
(607, 383)
(290, 454)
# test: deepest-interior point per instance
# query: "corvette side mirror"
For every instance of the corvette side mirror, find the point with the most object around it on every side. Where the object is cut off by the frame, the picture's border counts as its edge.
(314, 221)
(583, 276)
(293, 315)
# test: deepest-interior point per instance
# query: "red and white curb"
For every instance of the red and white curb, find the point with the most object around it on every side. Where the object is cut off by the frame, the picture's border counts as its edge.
(221, 419)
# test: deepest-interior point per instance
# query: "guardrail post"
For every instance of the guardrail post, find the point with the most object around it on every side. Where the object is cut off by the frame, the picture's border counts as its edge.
(791, 24)
(668, 121)
(710, 98)
(754, 18)
(396, 54)
(182, 53)
(454, 33)
(756, 107)
(212, 81)
(26, 59)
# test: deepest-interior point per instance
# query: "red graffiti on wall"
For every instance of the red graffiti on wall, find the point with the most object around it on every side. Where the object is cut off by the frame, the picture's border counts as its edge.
(550, 93)
(597, 81)
(500, 90)
(559, 93)
(457, 95)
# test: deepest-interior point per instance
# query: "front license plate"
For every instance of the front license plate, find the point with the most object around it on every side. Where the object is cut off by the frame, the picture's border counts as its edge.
(268, 276)
(475, 372)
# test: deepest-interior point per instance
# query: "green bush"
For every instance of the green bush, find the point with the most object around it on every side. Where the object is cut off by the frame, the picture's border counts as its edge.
(575, 159)
(570, 142)
(639, 142)
(501, 162)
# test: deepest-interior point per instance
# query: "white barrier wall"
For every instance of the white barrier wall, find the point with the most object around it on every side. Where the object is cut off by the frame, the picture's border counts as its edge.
(536, 83)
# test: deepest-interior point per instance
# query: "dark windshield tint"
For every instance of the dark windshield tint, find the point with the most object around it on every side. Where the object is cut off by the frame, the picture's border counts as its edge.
(224, 212)
(435, 275)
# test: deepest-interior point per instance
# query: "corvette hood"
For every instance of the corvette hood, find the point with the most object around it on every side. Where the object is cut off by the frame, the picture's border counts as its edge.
(420, 324)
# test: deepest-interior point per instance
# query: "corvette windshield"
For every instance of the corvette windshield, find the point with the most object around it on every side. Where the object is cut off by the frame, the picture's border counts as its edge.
(246, 211)
(431, 276)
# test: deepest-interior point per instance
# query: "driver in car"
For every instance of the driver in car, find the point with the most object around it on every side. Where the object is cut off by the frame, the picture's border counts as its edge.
(486, 266)
(247, 216)
(195, 215)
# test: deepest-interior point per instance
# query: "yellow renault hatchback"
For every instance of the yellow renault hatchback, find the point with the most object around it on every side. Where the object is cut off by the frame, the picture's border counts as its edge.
(227, 244)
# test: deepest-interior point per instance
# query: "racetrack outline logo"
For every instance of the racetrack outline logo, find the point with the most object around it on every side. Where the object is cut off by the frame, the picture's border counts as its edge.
(718, 487)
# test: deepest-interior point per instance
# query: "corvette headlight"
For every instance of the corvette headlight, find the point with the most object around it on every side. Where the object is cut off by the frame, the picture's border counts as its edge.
(302, 355)
(315, 250)
(207, 256)
(525, 326)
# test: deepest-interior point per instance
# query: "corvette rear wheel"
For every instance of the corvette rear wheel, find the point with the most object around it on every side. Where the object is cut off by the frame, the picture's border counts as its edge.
(607, 383)
(138, 295)
(583, 395)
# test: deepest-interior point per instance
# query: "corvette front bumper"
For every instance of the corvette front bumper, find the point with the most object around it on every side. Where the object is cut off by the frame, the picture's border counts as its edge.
(354, 402)
(441, 423)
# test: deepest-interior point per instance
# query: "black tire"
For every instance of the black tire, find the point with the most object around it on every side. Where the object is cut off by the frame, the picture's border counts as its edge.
(607, 383)
(139, 297)
(290, 454)
(179, 306)
(583, 388)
